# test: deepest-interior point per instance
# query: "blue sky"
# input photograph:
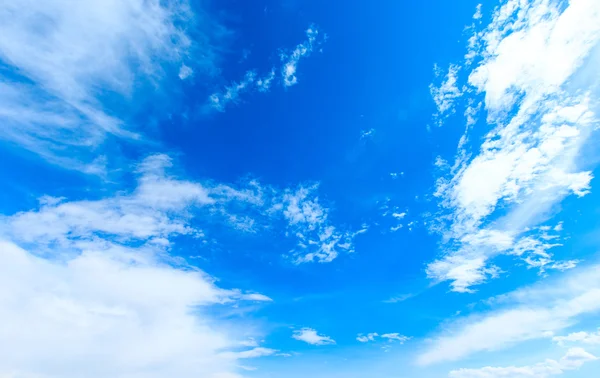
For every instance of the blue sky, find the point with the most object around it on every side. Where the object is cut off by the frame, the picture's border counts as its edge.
(296, 188)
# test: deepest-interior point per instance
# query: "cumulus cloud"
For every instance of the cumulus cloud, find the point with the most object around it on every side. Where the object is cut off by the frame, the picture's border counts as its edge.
(530, 160)
(63, 58)
(310, 336)
(572, 360)
(88, 287)
(530, 313)
(108, 311)
(591, 338)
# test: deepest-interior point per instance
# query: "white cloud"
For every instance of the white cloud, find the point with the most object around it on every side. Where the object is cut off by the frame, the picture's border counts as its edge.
(446, 94)
(396, 228)
(536, 312)
(399, 215)
(250, 342)
(105, 299)
(251, 353)
(232, 93)
(109, 311)
(88, 288)
(395, 337)
(310, 336)
(399, 298)
(390, 337)
(65, 55)
(308, 221)
(365, 134)
(366, 338)
(257, 297)
(156, 210)
(290, 61)
(572, 360)
(579, 337)
(544, 47)
(478, 14)
(185, 72)
(264, 84)
(252, 82)
(529, 161)
(162, 206)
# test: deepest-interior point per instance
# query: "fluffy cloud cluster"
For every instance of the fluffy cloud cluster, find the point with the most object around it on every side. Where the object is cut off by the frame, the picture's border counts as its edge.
(310, 336)
(532, 66)
(89, 285)
(89, 288)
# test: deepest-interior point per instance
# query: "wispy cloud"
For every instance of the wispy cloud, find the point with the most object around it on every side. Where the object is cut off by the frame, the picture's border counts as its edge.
(390, 337)
(263, 83)
(530, 160)
(163, 205)
(536, 312)
(367, 134)
(399, 298)
(232, 93)
(395, 337)
(310, 336)
(62, 59)
(572, 360)
(303, 50)
(251, 353)
(447, 92)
